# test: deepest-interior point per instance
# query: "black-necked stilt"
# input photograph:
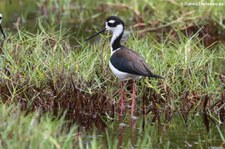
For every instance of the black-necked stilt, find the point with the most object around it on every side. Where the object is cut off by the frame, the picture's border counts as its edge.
(1, 26)
(124, 63)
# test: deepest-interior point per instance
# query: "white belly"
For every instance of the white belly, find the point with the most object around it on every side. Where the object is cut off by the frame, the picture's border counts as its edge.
(123, 75)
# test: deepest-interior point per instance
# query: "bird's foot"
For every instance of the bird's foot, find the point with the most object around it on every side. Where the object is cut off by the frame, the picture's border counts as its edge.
(134, 117)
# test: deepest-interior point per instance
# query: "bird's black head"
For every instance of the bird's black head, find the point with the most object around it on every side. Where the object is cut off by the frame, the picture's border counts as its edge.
(113, 24)
(113, 21)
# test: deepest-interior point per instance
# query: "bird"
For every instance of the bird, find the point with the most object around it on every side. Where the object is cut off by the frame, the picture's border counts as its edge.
(1, 26)
(1, 42)
(124, 63)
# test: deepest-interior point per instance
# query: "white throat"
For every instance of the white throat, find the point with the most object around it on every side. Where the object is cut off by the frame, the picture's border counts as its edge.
(117, 31)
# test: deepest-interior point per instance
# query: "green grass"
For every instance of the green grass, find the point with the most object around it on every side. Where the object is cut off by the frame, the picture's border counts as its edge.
(33, 130)
(37, 130)
(37, 60)
(50, 70)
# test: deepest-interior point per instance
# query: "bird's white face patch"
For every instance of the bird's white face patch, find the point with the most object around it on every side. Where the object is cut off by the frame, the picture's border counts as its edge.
(111, 21)
(106, 26)
(117, 30)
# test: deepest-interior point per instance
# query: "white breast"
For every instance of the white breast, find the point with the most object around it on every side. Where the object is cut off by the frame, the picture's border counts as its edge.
(123, 75)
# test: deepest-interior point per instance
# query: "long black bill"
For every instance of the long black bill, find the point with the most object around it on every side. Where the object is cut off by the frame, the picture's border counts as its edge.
(2, 31)
(95, 34)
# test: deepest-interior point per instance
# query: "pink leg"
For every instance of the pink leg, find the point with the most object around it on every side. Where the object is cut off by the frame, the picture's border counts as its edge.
(121, 98)
(132, 104)
(132, 131)
(121, 135)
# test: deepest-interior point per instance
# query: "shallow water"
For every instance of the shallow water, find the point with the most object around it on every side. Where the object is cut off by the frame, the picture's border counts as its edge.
(179, 135)
(13, 13)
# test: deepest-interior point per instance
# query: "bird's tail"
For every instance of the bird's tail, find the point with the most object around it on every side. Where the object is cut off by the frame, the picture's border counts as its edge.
(157, 76)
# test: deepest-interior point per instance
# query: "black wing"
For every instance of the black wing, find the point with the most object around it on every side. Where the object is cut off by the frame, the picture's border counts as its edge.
(131, 62)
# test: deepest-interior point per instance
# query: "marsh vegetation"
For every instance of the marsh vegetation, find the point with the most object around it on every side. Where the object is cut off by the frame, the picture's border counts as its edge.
(58, 92)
